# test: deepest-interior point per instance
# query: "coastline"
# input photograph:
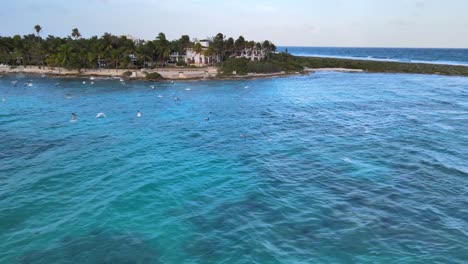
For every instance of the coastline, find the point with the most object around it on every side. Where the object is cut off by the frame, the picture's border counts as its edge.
(310, 65)
(209, 73)
(166, 73)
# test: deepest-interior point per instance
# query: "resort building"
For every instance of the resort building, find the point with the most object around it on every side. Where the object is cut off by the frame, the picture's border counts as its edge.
(253, 54)
(191, 56)
(175, 57)
(200, 58)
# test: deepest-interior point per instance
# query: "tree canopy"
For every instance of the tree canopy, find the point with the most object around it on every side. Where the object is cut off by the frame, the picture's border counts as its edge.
(111, 51)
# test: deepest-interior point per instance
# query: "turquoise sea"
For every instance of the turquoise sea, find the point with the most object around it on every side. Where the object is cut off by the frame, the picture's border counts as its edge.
(324, 168)
(412, 55)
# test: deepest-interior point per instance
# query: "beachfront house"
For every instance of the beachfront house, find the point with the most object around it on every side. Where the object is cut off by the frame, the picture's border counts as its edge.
(176, 57)
(253, 54)
(199, 57)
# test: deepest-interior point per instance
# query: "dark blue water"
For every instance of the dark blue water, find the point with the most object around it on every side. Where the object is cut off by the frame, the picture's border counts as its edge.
(325, 168)
(439, 56)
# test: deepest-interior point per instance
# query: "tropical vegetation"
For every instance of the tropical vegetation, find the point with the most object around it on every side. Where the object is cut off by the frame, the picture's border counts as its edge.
(284, 62)
(111, 51)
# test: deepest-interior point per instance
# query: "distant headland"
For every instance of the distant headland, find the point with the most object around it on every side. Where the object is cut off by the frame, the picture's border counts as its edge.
(184, 58)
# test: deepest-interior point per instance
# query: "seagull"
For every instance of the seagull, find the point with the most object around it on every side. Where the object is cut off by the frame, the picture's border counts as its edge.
(100, 115)
(152, 87)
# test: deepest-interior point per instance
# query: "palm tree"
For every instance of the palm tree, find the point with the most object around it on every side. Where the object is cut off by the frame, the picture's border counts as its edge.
(38, 29)
(76, 33)
(230, 46)
(240, 43)
(209, 52)
(163, 47)
(38, 51)
(198, 48)
(64, 53)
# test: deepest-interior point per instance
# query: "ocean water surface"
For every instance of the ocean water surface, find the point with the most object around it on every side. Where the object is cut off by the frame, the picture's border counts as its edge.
(412, 55)
(323, 168)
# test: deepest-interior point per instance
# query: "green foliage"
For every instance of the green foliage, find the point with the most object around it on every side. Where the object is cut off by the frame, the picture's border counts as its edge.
(381, 66)
(235, 65)
(278, 63)
(154, 76)
(181, 63)
(127, 74)
(109, 51)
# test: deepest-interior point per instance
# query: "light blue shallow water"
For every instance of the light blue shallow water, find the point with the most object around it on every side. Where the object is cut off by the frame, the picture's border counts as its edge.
(414, 55)
(325, 168)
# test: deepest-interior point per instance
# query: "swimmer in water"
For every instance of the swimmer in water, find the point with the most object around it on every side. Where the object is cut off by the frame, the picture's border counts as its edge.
(138, 114)
(207, 118)
(73, 117)
(176, 99)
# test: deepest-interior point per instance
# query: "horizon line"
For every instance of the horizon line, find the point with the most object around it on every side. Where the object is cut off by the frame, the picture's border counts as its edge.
(369, 47)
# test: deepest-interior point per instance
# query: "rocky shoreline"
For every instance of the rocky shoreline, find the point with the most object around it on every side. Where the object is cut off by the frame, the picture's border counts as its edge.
(209, 73)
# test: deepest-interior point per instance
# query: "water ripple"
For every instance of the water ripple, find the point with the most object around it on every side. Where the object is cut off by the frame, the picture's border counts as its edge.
(326, 168)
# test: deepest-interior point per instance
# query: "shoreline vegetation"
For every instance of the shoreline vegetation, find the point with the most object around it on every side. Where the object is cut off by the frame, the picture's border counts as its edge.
(215, 57)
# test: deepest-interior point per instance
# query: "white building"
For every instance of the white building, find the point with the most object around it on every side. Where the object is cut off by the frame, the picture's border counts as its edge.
(253, 54)
(200, 59)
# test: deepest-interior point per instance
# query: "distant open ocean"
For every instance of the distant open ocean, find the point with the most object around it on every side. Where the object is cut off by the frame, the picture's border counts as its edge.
(415, 55)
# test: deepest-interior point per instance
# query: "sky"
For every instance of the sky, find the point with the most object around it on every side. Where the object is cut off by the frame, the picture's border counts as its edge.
(336, 23)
